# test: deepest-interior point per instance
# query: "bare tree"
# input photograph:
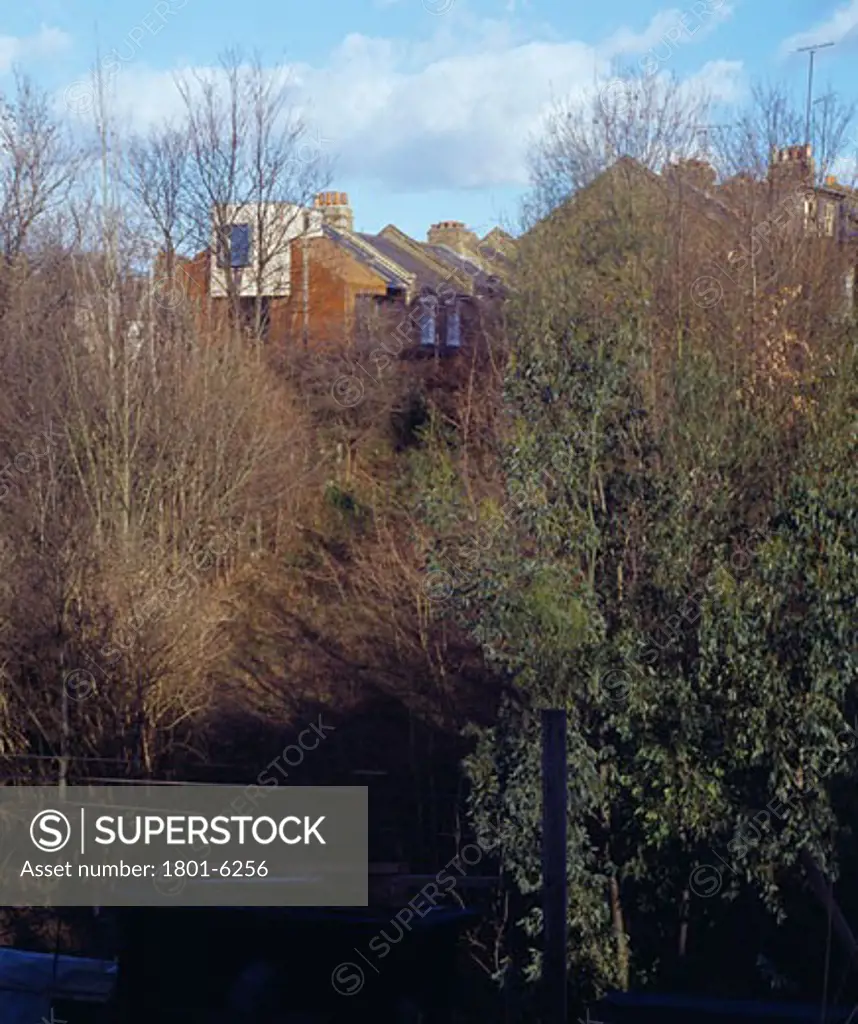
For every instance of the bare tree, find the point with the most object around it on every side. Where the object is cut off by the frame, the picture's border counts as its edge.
(834, 125)
(771, 121)
(37, 164)
(156, 172)
(650, 118)
(251, 163)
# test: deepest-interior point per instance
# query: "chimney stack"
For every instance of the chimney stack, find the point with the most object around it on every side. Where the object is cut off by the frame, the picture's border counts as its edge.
(454, 235)
(793, 162)
(335, 210)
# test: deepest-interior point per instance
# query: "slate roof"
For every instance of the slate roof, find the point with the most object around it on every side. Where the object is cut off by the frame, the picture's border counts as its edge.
(483, 274)
(495, 257)
(425, 275)
(396, 276)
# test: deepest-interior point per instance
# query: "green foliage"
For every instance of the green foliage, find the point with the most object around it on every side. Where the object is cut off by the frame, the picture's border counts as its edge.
(685, 586)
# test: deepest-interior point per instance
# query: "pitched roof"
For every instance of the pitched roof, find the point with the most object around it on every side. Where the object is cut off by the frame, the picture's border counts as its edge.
(405, 263)
(425, 273)
(466, 271)
(391, 271)
(481, 272)
(709, 204)
(498, 239)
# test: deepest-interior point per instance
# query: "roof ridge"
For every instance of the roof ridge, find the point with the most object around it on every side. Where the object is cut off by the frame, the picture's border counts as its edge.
(413, 246)
(498, 231)
(374, 254)
(419, 250)
(467, 257)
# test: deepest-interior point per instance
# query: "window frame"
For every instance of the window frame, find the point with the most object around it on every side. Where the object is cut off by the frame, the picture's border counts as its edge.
(428, 321)
(454, 316)
(829, 219)
(226, 258)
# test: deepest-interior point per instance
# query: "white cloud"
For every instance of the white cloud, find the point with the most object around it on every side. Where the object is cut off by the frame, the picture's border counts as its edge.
(457, 110)
(841, 27)
(19, 49)
(669, 29)
(723, 81)
(845, 169)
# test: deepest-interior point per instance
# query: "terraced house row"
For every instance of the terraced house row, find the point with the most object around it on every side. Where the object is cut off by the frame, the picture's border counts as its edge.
(304, 277)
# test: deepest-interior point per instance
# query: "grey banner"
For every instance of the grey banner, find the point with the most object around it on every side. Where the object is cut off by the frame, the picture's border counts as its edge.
(193, 846)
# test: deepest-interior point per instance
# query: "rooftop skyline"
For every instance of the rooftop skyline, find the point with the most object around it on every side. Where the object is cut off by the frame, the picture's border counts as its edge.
(425, 108)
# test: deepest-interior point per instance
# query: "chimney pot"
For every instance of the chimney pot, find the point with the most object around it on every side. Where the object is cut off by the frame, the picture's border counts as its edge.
(336, 210)
(454, 235)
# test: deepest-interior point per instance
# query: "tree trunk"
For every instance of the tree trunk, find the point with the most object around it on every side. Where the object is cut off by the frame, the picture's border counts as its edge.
(683, 923)
(620, 935)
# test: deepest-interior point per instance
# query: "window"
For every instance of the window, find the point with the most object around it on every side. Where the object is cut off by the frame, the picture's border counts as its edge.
(809, 213)
(234, 247)
(367, 315)
(454, 326)
(239, 245)
(427, 320)
(829, 218)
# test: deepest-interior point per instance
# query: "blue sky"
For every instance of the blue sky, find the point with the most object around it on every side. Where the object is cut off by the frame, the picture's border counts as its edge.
(426, 107)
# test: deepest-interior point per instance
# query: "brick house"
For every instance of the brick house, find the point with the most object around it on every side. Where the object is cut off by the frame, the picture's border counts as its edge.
(320, 285)
(743, 234)
(816, 225)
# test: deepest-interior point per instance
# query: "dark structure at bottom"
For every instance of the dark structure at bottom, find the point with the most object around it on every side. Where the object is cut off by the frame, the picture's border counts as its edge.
(213, 965)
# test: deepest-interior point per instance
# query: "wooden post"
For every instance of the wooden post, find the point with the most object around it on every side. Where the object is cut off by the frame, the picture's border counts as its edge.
(554, 799)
